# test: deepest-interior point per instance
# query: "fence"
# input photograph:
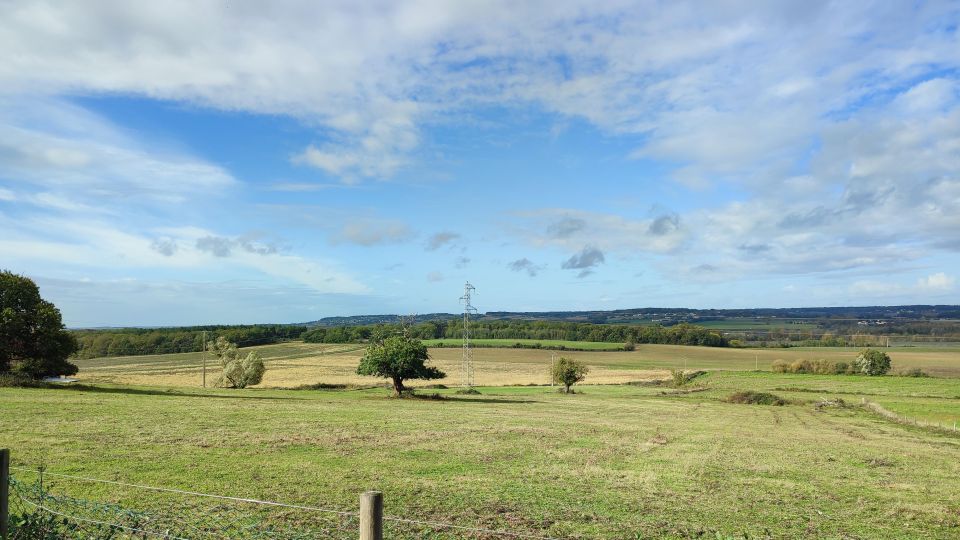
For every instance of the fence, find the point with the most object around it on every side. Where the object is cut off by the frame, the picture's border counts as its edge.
(33, 504)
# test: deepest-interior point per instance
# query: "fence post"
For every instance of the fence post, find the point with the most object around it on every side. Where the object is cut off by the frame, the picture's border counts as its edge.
(371, 516)
(4, 492)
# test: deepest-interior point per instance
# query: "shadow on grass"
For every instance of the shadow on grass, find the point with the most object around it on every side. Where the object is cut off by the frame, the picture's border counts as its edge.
(168, 393)
(489, 400)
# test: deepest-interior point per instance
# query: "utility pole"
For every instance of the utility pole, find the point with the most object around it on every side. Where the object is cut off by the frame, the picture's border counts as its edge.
(466, 366)
(204, 354)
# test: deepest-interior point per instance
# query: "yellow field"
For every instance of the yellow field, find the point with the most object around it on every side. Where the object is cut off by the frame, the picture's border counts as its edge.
(295, 364)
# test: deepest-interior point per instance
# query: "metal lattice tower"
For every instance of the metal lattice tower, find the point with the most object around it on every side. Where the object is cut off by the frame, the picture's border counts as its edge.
(466, 367)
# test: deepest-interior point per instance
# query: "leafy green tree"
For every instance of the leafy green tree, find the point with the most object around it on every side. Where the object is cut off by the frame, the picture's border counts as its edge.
(398, 358)
(872, 362)
(238, 371)
(33, 340)
(567, 371)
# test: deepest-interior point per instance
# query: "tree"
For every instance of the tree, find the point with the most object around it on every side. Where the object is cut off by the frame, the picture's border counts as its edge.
(33, 340)
(567, 371)
(872, 362)
(398, 358)
(238, 372)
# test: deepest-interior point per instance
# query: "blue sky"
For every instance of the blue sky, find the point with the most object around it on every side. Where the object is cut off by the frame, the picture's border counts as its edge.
(214, 162)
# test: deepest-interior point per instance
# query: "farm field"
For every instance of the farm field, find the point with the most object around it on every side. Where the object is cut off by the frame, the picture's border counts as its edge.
(757, 324)
(506, 343)
(296, 364)
(610, 462)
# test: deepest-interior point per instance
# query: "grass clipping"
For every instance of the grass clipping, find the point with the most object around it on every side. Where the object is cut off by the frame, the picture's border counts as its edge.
(749, 397)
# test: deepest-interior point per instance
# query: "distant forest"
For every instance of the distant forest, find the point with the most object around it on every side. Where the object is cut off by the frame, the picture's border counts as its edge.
(137, 341)
(681, 334)
(825, 327)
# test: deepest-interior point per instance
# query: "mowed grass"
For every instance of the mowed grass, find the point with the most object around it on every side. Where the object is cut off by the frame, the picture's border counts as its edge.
(610, 462)
(296, 363)
(757, 324)
(555, 343)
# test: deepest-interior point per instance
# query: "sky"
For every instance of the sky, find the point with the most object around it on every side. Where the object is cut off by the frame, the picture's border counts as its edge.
(177, 163)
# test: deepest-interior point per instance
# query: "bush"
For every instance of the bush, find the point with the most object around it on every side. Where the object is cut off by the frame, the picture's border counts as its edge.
(13, 380)
(801, 366)
(568, 372)
(872, 362)
(237, 372)
(750, 397)
(630, 345)
(913, 372)
(822, 367)
(780, 366)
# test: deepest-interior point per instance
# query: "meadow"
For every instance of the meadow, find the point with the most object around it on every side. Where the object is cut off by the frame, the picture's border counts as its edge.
(639, 460)
(296, 364)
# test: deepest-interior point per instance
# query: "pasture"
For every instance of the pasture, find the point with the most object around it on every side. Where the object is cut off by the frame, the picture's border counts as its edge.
(610, 462)
(639, 460)
(296, 364)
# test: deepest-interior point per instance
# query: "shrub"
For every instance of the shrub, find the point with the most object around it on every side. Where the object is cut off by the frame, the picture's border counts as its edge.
(568, 372)
(842, 368)
(630, 345)
(780, 366)
(801, 366)
(750, 397)
(872, 362)
(11, 380)
(237, 372)
(913, 372)
(823, 367)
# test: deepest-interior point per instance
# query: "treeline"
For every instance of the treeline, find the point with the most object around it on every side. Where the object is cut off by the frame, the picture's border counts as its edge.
(138, 341)
(681, 334)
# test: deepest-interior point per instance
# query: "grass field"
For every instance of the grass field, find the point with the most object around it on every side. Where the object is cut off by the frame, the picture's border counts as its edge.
(556, 343)
(295, 364)
(757, 324)
(610, 462)
(613, 461)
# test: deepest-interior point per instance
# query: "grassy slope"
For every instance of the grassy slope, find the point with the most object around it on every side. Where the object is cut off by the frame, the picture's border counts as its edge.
(294, 364)
(611, 462)
(589, 345)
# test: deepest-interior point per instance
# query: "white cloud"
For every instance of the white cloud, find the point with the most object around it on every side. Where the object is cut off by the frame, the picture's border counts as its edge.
(718, 87)
(53, 145)
(939, 282)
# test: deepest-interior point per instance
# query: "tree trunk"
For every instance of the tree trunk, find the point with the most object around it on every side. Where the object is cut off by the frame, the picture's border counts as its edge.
(398, 385)
(567, 389)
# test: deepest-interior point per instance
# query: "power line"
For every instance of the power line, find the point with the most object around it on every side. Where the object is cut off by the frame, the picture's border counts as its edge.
(466, 365)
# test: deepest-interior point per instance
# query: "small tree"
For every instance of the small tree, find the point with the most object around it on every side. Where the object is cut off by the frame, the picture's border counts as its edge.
(238, 372)
(33, 340)
(872, 362)
(567, 371)
(398, 358)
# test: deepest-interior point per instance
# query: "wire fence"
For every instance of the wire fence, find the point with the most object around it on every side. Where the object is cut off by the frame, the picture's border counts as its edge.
(47, 505)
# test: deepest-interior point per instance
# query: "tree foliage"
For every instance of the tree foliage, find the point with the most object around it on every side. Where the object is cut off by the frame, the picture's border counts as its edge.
(238, 371)
(398, 358)
(872, 362)
(567, 371)
(681, 334)
(33, 340)
(138, 341)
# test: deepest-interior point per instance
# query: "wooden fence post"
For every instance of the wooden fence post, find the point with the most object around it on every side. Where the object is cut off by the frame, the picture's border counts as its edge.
(371, 516)
(4, 492)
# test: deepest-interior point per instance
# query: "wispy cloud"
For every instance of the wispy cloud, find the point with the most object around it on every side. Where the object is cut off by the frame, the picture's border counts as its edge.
(441, 239)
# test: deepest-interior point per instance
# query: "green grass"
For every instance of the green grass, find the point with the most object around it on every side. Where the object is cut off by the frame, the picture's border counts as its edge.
(609, 462)
(757, 324)
(555, 343)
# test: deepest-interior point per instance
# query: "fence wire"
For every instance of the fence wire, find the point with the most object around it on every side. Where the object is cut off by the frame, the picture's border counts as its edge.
(39, 510)
(43, 509)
